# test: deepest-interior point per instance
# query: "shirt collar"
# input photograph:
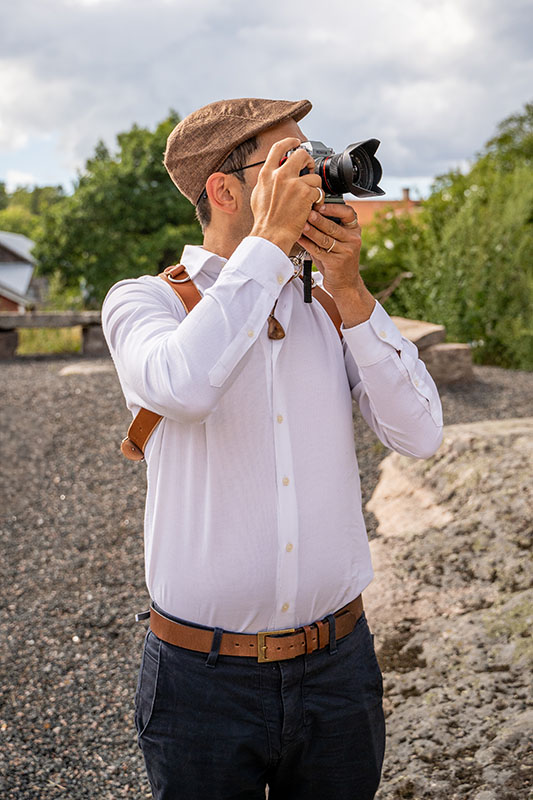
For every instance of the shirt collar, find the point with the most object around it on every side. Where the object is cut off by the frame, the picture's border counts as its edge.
(197, 259)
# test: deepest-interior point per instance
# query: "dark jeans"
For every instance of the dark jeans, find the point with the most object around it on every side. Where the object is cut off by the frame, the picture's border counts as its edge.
(312, 727)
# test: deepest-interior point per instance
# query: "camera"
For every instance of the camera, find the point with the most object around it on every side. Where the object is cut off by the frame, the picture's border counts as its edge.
(355, 170)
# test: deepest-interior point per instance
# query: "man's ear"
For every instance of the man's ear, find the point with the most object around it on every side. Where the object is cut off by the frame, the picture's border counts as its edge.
(223, 192)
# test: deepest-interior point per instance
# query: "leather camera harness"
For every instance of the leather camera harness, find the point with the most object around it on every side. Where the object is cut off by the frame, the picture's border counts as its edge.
(145, 422)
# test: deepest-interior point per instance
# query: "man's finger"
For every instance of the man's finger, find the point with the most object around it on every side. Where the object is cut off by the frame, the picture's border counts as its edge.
(297, 161)
(342, 211)
(278, 150)
(331, 228)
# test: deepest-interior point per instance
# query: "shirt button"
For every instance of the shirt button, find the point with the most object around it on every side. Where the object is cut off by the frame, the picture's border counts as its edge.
(250, 334)
(285, 607)
(280, 279)
(289, 547)
(416, 382)
(279, 418)
(383, 334)
(285, 481)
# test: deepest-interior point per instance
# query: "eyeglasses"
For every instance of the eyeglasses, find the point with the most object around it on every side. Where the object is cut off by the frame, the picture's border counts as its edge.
(256, 164)
(203, 196)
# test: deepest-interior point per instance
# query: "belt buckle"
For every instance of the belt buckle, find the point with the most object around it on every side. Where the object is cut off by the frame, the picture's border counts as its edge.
(261, 644)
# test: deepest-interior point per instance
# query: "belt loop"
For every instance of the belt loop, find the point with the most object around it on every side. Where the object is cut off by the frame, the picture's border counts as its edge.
(211, 660)
(322, 633)
(332, 634)
(308, 633)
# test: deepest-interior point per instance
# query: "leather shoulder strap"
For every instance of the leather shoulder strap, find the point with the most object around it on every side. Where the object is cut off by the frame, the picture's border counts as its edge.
(328, 304)
(184, 287)
(145, 422)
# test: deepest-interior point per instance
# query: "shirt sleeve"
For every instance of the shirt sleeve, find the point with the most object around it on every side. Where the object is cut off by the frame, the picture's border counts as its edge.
(396, 394)
(178, 365)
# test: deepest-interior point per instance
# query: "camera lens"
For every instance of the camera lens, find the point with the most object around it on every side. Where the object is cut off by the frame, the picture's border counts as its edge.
(356, 170)
(363, 174)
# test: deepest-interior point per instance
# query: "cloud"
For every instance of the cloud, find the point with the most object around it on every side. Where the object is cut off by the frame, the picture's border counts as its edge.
(15, 178)
(431, 80)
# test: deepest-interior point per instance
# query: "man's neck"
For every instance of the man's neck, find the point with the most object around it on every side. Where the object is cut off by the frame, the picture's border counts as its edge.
(220, 245)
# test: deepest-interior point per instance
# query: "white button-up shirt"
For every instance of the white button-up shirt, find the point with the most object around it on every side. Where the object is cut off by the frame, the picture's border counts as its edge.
(253, 513)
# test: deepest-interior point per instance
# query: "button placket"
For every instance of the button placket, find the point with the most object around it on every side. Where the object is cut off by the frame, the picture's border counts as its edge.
(287, 578)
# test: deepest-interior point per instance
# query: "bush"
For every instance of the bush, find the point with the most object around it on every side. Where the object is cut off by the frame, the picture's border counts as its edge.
(470, 251)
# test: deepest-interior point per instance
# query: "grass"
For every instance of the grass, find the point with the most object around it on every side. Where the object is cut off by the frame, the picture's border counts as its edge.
(34, 341)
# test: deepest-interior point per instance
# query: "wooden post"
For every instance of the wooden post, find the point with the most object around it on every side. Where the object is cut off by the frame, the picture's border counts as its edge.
(8, 343)
(93, 342)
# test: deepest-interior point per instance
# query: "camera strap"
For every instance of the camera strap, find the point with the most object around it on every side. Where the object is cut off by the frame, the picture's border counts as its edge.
(145, 421)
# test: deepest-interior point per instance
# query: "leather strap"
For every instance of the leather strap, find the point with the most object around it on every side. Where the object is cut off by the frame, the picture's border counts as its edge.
(328, 303)
(144, 423)
(265, 645)
(178, 278)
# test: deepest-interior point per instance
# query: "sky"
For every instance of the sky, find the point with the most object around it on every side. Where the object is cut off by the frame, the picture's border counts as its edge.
(430, 79)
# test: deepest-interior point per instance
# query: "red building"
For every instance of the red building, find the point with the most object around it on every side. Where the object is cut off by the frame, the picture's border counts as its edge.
(16, 272)
(369, 210)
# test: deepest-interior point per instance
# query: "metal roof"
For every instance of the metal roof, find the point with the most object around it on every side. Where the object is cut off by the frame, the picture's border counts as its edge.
(16, 275)
(18, 244)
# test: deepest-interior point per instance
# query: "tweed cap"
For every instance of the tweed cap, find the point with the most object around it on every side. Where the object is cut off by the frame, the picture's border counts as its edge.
(201, 142)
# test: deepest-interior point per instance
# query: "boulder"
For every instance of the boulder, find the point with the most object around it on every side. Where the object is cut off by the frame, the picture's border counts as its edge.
(448, 362)
(423, 334)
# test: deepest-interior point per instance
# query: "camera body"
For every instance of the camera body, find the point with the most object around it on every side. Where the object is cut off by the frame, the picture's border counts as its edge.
(355, 170)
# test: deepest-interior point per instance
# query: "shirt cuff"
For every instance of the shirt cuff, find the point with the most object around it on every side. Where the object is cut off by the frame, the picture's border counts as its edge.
(264, 262)
(373, 340)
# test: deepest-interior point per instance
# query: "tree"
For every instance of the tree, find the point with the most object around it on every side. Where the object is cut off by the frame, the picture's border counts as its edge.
(18, 219)
(4, 197)
(470, 251)
(36, 200)
(124, 219)
(21, 210)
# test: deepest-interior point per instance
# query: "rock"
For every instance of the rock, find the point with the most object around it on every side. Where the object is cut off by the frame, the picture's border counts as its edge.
(423, 334)
(448, 362)
(452, 612)
(86, 368)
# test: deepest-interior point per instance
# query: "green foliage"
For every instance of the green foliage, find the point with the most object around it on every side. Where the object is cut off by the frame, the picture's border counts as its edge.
(20, 210)
(4, 197)
(36, 200)
(388, 249)
(470, 251)
(124, 219)
(60, 297)
(513, 143)
(17, 219)
(34, 341)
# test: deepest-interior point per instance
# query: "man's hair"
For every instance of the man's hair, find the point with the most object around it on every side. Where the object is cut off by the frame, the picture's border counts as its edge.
(236, 160)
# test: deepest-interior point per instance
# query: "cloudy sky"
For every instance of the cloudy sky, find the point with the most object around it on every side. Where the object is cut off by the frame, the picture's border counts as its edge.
(429, 78)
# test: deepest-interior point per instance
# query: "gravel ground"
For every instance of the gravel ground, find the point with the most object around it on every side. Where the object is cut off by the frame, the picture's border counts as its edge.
(72, 572)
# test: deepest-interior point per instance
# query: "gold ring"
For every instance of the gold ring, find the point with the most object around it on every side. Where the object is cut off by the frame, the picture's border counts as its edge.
(321, 196)
(334, 242)
(353, 224)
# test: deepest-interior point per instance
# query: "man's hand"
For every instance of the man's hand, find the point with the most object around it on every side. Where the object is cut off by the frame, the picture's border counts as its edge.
(339, 266)
(282, 199)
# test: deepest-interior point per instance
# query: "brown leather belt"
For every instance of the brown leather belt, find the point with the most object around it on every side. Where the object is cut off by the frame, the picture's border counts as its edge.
(266, 645)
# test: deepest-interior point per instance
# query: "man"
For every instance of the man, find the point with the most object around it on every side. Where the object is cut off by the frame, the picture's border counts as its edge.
(253, 518)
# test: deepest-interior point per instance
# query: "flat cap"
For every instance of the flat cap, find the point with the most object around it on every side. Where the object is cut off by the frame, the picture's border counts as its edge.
(201, 142)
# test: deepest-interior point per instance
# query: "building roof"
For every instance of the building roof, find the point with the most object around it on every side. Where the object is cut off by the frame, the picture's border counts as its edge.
(16, 275)
(18, 244)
